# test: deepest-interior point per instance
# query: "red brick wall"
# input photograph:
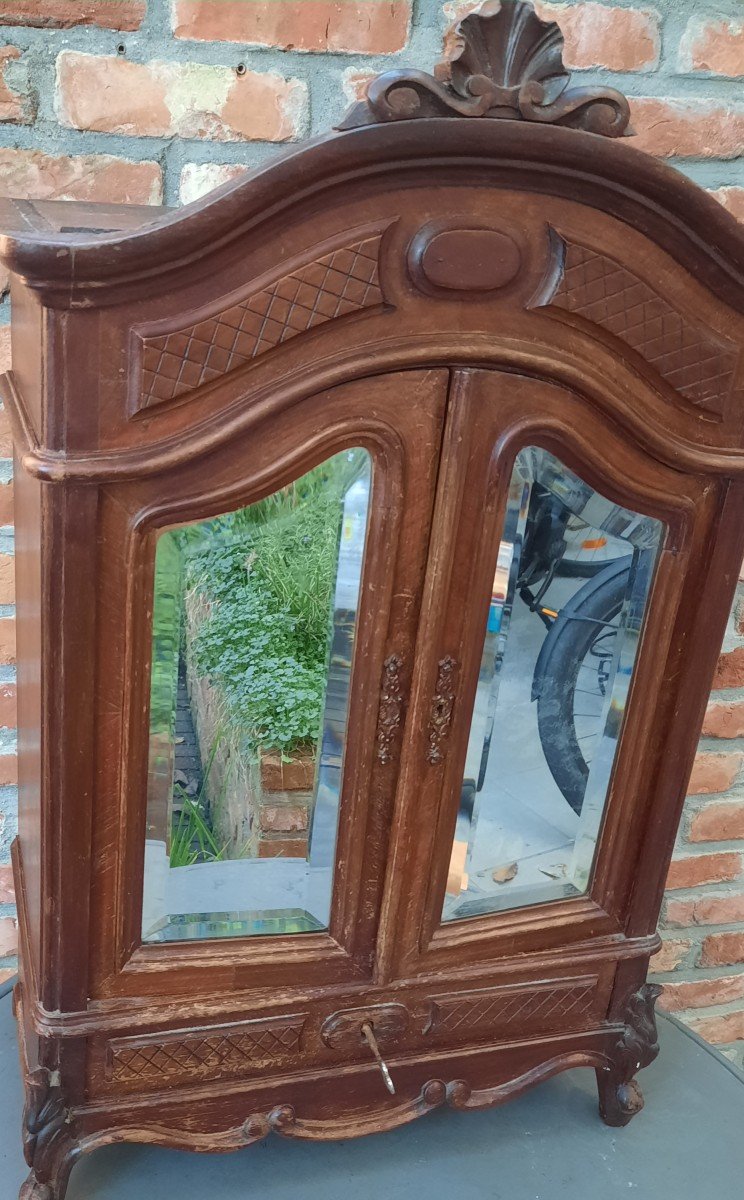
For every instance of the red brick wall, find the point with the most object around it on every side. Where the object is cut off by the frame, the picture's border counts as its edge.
(701, 963)
(145, 100)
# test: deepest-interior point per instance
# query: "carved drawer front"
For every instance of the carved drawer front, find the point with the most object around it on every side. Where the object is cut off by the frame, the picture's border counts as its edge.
(225, 1050)
(516, 1009)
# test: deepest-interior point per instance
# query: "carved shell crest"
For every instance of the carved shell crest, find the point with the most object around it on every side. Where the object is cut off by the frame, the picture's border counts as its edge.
(507, 45)
(502, 61)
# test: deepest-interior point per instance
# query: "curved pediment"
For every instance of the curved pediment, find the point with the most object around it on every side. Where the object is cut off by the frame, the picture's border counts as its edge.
(608, 175)
(500, 108)
(489, 214)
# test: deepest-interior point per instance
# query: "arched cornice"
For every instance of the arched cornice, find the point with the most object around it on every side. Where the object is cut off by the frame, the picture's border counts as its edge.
(607, 174)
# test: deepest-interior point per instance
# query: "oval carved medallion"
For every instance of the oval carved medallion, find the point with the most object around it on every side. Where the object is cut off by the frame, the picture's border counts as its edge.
(464, 260)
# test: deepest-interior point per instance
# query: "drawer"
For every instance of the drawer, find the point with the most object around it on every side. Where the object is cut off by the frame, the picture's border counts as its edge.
(327, 1033)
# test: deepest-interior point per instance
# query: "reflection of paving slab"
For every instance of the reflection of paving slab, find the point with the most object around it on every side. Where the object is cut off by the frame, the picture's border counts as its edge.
(538, 794)
(517, 763)
(253, 890)
(520, 814)
(517, 834)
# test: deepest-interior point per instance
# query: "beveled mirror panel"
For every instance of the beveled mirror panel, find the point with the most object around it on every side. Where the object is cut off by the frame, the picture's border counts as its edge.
(569, 597)
(254, 619)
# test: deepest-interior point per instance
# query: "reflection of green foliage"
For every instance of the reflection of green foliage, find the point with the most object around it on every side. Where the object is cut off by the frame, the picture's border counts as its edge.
(193, 840)
(268, 573)
(257, 653)
(295, 562)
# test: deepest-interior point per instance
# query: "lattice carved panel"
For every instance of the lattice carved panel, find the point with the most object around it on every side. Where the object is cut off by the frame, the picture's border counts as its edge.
(690, 358)
(345, 280)
(224, 1050)
(571, 1002)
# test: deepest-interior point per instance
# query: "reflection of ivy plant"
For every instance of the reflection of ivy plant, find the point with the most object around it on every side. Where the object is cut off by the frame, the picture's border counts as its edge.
(254, 650)
(268, 574)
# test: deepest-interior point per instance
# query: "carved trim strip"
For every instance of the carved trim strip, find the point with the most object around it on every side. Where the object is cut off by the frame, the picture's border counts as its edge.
(461, 1095)
(689, 358)
(442, 705)
(495, 1009)
(390, 713)
(284, 1121)
(502, 62)
(223, 1050)
(345, 280)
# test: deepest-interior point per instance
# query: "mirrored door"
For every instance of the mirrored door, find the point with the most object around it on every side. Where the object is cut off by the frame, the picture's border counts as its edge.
(549, 534)
(276, 594)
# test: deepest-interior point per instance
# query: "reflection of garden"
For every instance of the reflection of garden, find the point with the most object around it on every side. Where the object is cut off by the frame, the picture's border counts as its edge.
(242, 631)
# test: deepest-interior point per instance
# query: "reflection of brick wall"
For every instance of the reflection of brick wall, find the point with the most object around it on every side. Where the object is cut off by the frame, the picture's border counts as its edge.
(701, 964)
(178, 115)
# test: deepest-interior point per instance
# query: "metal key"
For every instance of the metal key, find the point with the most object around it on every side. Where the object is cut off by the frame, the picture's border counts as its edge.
(368, 1034)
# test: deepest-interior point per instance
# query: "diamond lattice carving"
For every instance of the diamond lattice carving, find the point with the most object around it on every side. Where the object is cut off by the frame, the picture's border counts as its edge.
(689, 358)
(343, 281)
(222, 1052)
(501, 1007)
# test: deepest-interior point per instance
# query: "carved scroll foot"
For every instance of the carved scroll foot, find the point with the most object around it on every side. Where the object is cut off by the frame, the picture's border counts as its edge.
(49, 1143)
(620, 1097)
(54, 1186)
(34, 1189)
(618, 1101)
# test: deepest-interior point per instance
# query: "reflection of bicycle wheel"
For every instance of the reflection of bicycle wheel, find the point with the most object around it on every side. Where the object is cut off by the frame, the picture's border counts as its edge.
(571, 677)
(588, 550)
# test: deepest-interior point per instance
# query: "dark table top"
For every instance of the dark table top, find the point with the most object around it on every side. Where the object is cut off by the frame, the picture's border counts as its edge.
(687, 1144)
